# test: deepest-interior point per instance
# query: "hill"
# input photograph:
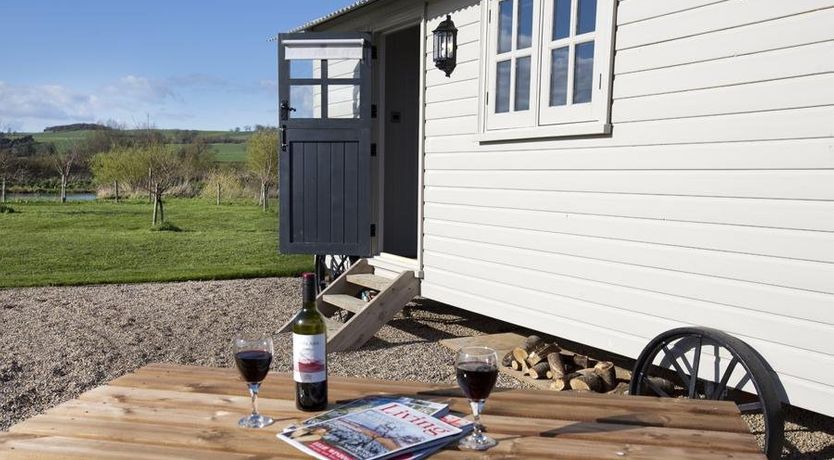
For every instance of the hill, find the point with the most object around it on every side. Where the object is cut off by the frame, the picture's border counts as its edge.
(74, 127)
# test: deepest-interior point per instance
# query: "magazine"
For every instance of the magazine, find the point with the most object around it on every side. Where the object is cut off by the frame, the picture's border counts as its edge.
(377, 433)
(465, 426)
(427, 407)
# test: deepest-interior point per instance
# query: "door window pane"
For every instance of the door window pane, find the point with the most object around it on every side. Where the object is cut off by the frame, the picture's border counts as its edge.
(522, 83)
(561, 19)
(502, 87)
(524, 24)
(343, 68)
(586, 17)
(559, 76)
(343, 101)
(505, 25)
(583, 73)
(305, 68)
(306, 99)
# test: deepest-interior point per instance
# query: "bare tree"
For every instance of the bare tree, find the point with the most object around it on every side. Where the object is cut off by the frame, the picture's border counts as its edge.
(7, 169)
(65, 160)
(262, 160)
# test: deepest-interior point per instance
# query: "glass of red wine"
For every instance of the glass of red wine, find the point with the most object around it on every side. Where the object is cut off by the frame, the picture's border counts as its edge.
(253, 356)
(477, 371)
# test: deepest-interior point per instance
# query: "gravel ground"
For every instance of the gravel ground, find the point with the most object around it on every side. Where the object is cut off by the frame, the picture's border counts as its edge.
(60, 341)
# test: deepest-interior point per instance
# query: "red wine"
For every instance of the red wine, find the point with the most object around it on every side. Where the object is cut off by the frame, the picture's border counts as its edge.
(476, 379)
(253, 364)
(309, 343)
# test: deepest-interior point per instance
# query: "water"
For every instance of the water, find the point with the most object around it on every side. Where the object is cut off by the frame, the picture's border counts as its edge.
(49, 196)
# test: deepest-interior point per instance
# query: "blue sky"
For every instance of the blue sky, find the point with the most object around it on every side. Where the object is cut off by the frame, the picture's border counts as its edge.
(183, 63)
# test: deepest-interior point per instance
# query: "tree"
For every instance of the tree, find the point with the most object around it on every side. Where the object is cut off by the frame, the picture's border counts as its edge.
(65, 160)
(262, 160)
(8, 164)
(154, 168)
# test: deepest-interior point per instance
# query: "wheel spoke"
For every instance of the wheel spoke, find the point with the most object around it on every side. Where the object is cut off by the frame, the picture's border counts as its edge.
(719, 390)
(694, 378)
(677, 366)
(750, 408)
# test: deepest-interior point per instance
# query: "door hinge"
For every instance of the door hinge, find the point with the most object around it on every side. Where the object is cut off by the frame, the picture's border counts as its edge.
(373, 230)
(373, 150)
(373, 111)
(489, 16)
(373, 52)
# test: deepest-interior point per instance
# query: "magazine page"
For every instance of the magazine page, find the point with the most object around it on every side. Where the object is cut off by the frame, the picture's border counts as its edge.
(427, 407)
(465, 426)
(371, 434)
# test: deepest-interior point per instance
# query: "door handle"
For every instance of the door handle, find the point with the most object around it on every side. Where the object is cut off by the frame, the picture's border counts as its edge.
(286, 109)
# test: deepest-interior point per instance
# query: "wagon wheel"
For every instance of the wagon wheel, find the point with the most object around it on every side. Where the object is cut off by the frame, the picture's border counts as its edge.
(331, 266)
(732, 365)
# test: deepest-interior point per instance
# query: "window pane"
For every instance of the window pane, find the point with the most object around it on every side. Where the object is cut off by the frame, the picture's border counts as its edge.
(561, 19)
(559, 76)
(502, 87)
(583, 72)
(522, 83)
(343, 101)
(306, 99)
(525, 24)
(505, 25)
(343, 68)
(586, 17)
(305, 68)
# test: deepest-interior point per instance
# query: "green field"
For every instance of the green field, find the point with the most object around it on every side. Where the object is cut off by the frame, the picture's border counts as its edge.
(229, 153)
(104, 242)
(225, 153)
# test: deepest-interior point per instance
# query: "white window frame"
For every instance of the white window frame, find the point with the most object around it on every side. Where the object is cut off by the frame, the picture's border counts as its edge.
(541, 120)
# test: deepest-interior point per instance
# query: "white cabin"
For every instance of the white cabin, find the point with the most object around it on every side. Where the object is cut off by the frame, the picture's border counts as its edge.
(645, 166)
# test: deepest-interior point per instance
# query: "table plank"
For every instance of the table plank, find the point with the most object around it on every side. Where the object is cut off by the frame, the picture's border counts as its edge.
(172, 411)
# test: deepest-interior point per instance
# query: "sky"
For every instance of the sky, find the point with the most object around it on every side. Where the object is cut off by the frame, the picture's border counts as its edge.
(183, 64)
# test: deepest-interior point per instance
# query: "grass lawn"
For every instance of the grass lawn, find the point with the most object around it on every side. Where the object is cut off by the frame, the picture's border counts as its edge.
(103, 242)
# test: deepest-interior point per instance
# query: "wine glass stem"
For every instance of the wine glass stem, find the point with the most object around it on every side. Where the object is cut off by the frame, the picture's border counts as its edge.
(253, 392)
(477, 407)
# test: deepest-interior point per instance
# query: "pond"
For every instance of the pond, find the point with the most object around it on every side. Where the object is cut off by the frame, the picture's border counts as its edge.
(49, 196)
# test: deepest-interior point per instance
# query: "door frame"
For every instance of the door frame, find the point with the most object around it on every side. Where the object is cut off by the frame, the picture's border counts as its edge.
(381, 38)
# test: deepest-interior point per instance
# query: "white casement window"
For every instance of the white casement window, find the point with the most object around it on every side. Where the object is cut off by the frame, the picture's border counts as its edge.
(549, 67)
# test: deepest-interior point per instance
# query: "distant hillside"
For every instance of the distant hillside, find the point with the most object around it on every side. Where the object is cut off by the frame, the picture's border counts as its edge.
(74, 127)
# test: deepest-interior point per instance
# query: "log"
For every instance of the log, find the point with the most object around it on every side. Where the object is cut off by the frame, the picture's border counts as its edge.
(663, 384)
(583, 362)
(539, 371)
(557, 366)
(508, 359)
(531, 342)
(560, 384)
(586, 380)
(515, 365)
(520, 354)
(605, 371)
(540, 354)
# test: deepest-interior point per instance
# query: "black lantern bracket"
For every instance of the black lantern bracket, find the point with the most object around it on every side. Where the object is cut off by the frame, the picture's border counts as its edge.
(445, 46)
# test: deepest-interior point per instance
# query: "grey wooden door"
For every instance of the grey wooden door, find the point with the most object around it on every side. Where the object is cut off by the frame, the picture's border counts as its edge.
(324, 86)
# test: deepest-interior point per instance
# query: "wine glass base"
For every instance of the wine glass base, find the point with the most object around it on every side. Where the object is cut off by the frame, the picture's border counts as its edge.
(475, 442)
(255, 421)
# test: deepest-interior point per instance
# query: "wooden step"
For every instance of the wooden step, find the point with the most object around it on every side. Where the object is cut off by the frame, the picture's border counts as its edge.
(345, 302)
(333, 326)
(370, 281)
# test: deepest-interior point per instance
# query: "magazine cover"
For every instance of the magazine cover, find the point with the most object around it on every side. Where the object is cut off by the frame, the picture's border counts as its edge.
(427, 407)
(465, 426)
(372, 434)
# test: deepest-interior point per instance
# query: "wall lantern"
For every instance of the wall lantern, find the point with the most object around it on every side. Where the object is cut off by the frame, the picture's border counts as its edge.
(446, 46)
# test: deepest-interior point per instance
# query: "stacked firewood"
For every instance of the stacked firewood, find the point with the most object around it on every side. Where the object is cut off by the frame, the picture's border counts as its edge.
(541, 360)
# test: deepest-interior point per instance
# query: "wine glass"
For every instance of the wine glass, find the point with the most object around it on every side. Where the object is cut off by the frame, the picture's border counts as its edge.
(477, 371)
(253, 355)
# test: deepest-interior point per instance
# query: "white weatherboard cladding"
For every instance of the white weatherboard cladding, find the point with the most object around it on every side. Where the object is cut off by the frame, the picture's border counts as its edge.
(711, 203)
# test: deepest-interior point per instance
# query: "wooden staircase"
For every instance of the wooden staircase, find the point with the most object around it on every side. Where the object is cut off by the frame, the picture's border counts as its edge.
(367, 317)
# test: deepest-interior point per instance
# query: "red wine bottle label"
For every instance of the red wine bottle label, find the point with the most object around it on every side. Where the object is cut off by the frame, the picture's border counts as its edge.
(309, 361)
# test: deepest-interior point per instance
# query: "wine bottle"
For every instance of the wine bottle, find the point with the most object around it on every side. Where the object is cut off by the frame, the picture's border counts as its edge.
(309, 353)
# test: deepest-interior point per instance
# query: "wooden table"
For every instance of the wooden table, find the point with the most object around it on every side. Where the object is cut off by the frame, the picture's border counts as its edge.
(166, 411)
